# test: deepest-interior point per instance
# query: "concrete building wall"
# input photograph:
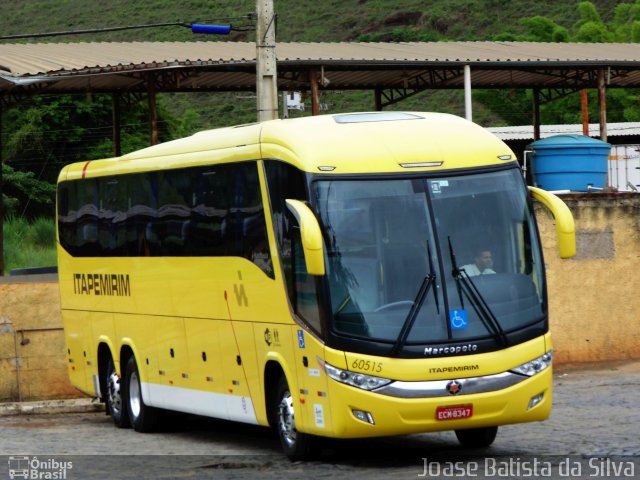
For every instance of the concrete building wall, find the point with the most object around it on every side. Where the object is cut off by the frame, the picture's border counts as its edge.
(594, 298)
(32, 356)
(594, 301)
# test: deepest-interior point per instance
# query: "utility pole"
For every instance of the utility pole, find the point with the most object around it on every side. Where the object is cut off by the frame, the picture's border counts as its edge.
(266, 70)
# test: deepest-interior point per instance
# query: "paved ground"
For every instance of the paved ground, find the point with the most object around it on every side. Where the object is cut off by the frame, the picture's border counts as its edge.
(592, 433)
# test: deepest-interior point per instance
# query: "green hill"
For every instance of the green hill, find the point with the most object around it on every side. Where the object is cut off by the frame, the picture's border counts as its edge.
(298, 20)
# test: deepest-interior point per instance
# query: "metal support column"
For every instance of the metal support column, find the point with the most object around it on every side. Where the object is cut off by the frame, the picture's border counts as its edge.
(536, 114)
(602, 104)
(315, 92)
(285, 106)
(115, 117)
(153, 111)
(467, 93)
(584, 103)
(378, 93)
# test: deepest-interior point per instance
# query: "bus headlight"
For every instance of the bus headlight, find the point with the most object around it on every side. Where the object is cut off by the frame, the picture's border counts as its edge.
(535, 366)
(355, 379)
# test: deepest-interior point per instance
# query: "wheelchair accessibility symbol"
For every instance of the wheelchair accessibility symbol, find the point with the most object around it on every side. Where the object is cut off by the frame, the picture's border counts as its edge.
(458, 319)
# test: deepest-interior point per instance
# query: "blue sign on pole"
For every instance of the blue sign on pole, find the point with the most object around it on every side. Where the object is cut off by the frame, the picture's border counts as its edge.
(211, 29)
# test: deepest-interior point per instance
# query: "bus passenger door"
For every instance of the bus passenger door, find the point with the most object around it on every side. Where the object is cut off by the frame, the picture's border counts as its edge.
(78, 339)
(312, 382)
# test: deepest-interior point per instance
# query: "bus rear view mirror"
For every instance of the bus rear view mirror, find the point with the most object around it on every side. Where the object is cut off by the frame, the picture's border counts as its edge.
(565, 227)
(310, 235)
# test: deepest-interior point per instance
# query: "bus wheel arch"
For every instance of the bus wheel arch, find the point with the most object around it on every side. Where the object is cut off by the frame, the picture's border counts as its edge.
(113, 392)
(104, 355)
(273, 371)
(143, 418)
(281, 410)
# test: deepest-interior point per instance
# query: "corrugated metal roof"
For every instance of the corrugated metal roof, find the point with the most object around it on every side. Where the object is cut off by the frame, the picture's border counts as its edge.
(525, 132)
(61, 67)
(60, 58)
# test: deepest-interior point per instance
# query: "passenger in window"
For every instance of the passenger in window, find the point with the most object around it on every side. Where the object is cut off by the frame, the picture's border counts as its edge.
(482, 265)
(143, 244)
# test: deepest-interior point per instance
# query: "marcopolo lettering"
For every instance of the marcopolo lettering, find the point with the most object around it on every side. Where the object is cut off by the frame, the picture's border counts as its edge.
(453, 350)
(112, 284)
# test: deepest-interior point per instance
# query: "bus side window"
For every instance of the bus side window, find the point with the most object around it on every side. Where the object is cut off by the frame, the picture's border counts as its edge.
(138, 213)
(66, 215)
(285, 181)
(305, 287)
(248, 231)
(112, 229)
(174, 212)
(87, 220)
(197, 211)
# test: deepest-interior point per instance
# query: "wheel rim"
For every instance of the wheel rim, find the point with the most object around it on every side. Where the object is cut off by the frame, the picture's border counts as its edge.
(113, 391)
(286, 419)
(134, 395)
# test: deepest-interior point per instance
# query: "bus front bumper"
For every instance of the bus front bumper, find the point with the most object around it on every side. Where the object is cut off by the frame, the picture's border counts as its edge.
(359, 413)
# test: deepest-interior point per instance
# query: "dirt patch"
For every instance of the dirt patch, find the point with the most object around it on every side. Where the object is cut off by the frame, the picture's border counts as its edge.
(598, 368)
(403, 18)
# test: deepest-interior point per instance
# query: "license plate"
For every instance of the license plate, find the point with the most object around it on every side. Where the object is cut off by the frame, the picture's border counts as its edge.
(454, 412)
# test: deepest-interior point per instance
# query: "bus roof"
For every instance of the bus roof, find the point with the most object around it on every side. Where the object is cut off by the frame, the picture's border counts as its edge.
(338, 143)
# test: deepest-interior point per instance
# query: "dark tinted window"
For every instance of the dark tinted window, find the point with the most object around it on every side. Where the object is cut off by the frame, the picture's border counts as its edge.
(200, 211)
(285, 181)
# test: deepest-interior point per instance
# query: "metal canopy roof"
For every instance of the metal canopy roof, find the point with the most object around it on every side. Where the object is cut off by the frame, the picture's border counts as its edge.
(404, 68)
(525, 132)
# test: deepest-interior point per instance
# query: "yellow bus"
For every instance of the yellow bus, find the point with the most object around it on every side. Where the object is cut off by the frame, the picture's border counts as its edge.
(345, 276)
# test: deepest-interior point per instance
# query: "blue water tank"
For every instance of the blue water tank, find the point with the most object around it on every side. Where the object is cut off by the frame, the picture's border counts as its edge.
(570, 162)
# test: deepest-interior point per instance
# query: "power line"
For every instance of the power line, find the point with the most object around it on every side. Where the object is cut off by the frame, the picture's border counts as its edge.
(195, 28)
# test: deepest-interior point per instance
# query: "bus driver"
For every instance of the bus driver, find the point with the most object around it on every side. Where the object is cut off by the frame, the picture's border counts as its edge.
(482, 263)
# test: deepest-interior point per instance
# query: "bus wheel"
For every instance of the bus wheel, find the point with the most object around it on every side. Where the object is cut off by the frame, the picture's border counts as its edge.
(296, 445)
(115, 406)
(143, 418)
(477, 437)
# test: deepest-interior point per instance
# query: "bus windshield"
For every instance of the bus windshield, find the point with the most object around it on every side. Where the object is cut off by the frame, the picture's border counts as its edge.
(431, 260)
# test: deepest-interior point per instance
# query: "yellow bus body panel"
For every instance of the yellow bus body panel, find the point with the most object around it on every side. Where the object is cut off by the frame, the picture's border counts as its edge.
(372, 147)
(203, 329)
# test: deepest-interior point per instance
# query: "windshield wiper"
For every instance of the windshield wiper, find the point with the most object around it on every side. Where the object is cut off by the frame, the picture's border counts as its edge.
(410, 319)
(465, 285)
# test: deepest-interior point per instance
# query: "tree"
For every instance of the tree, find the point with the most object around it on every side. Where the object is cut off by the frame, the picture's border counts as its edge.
(542, 29)
(621, 104)
(593, 32)
(625, 23)
(588, 14)
(23, 185)
(51, 132)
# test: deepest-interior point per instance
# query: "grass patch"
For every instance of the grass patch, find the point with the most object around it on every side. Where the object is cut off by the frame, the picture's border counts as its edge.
(29, 244)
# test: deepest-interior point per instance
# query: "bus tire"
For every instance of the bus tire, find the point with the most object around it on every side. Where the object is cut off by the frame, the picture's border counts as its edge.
(296, 445)
(143, 418)
(114, 397)
(477, 437)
